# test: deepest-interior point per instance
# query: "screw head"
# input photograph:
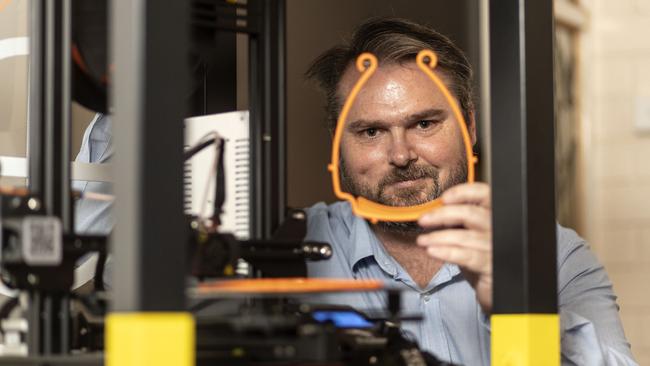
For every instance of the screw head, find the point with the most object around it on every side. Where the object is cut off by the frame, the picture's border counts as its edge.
(298, 215)
(33, 204)
(326, 251)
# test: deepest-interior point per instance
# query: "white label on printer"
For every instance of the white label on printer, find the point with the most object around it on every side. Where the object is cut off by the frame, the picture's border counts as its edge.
(42, 241)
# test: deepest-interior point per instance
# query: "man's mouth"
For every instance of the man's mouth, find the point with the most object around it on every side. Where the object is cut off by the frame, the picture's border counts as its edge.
(409, 183)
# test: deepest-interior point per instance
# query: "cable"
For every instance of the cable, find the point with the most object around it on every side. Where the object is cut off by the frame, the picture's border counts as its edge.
(195, 149)
(213, 172)
(204, 142)
(98, 280)
(220, 186)
(217, 172)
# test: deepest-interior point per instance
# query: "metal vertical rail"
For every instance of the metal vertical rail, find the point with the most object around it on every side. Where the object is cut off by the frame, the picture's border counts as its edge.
(49, 154)
(268, 120)
(149, 48)
(49, 108)
(36, 149)
(36, 96)
(149, 44)
(256, 128)
(57, 157)
(521, 55)
(524, 320)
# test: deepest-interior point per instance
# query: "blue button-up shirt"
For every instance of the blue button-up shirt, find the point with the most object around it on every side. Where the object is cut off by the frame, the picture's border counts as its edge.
(93, 217)
(454, 327)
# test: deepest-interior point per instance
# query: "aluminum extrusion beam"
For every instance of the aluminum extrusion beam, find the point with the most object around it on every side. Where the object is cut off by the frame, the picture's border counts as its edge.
(522, 146)
(268, 121)
(149, 46)
(49, 108)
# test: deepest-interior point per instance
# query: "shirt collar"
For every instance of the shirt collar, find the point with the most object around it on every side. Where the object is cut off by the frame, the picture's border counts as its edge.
(364, 244)
(446, 273)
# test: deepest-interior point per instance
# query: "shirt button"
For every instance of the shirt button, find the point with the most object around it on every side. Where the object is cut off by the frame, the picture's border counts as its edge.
(426, 297)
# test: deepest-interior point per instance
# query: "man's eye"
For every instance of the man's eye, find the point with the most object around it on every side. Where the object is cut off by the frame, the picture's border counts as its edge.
(425, 124)
(370, 132)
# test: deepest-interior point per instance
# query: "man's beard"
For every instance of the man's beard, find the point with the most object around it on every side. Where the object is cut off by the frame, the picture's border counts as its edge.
(409, 196)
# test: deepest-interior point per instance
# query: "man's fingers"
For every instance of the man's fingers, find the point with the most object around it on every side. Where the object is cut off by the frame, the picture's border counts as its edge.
(468, 216)
(477, 193)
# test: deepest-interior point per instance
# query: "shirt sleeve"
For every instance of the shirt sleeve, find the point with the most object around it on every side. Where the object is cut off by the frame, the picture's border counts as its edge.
(591, 329)
(94, 217)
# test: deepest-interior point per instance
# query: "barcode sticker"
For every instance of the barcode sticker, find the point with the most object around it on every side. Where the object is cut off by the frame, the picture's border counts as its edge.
(42, 240)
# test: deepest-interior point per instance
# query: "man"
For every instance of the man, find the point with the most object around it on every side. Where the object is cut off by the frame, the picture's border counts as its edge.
(401, 146)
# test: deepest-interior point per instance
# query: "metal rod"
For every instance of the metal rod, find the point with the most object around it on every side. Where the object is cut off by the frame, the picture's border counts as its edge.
(150, 54)
(36, 97)
(47, 319)
(49, 155)
(275, 174)
(268, 120)
(56, 158)
(522, 130)
(34, 323)
(64, 321)
(256, 132)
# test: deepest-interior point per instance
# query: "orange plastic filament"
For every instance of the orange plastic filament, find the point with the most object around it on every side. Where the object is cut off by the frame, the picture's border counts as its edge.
(373, 211)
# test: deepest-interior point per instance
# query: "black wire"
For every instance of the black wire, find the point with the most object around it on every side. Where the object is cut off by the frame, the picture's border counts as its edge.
(99, 272)
(187, 155)
(220, 187)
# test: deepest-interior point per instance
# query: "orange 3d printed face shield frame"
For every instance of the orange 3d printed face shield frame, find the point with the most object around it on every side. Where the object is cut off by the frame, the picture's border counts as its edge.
(373, 211)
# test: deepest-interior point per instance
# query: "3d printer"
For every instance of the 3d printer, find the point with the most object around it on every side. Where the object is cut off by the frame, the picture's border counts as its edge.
(147, 80)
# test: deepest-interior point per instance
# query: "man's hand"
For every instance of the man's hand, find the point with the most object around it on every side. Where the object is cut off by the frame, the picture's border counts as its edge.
(462, 234)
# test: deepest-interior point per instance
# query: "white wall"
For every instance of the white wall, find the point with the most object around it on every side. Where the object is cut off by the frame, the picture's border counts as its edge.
(616, 74)
(13, 82)
(14, 22)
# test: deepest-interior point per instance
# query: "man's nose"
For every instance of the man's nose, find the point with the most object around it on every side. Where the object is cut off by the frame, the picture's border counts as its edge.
(401, 151)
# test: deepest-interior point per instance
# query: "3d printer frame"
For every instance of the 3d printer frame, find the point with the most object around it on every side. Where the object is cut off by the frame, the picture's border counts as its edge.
(150, 78)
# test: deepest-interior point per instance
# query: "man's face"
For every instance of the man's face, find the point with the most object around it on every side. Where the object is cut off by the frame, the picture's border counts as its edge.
(401, 145)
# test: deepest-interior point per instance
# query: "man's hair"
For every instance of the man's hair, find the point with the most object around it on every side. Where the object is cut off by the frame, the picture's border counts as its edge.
(392, 40)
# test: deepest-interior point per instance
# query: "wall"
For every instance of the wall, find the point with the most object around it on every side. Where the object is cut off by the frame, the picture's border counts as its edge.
(13, 82)
(616, 76)
(14, 22)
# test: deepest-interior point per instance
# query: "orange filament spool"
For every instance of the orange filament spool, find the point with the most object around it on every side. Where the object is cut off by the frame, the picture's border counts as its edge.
(367, 64)
(287, 286)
